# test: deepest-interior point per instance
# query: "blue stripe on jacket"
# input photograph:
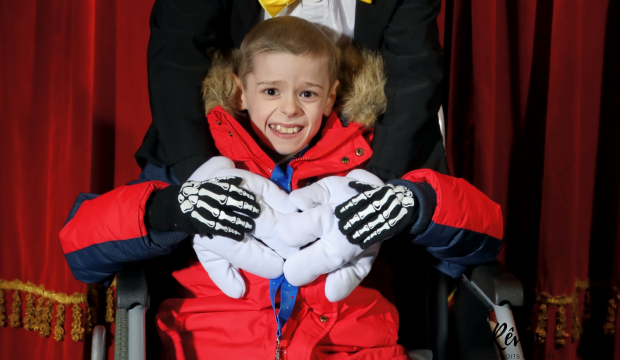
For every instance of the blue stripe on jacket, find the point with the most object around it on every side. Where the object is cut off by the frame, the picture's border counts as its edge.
(100, 262)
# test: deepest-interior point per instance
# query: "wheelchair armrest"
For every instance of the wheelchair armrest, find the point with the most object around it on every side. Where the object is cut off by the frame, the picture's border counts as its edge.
(131, 289)
(498, 284)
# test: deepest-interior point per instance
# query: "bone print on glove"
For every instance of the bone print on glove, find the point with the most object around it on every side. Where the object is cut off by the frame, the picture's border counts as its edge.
(377, 213)
(217, 206)
(273, 202)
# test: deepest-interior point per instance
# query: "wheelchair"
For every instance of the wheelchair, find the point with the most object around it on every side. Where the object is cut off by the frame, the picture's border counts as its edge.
(464, 333)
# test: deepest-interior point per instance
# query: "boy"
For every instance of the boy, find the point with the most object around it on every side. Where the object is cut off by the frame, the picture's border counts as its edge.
(287, 85)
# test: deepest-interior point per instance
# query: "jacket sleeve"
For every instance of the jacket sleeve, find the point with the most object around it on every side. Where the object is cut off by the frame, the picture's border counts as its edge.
(181, 33)
(458, 224)
(408, 136)
(104, 233)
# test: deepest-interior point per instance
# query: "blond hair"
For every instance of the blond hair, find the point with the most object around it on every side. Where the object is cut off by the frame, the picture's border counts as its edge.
(290, 35)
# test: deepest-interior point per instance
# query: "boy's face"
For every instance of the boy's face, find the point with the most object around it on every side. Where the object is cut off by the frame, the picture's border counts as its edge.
(286, 97)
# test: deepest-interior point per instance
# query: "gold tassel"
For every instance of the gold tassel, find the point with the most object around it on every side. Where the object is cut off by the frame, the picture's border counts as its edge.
(560, 325)
(59, 329)
(545, 299)
(92, 314)
(45, 326)
(76, 328)
(609, 328)
(38, 313)
(577, 330)
(2, 309)
(109, 309)
(16, 315)
(30, 313)
(542, 322)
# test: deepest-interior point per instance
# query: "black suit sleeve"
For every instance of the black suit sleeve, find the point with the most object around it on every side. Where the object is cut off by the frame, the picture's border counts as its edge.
(181, 32)
(407, 136)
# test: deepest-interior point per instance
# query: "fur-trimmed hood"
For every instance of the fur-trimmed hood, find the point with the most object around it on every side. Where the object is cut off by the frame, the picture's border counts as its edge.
(361, 97)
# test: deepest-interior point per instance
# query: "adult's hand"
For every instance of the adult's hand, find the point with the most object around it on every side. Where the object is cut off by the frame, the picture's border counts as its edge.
(346, 264)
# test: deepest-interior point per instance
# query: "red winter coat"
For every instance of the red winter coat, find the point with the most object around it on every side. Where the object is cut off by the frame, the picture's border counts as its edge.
(214, 326)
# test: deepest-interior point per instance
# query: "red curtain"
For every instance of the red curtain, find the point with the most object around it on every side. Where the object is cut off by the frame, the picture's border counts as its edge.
(74, 109)
(533, 108)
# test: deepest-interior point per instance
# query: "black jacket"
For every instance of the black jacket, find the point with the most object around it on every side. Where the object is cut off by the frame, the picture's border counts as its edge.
(406, 137)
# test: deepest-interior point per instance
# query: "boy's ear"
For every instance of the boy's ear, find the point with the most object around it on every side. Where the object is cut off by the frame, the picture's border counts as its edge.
(331, 99)
(240, 96)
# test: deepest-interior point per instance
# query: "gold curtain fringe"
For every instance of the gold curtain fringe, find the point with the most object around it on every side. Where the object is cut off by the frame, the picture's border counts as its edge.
(29, 287)
(77, 331)
(541, 326)
(582, 284)
(2, 308)
(609, 328)
(577, 329)
(92, 315)
(45, 326)
(39, 313)
(544, 300)
(16, 314)
(560, 325)
(109, 309)
(30, 313)
(59, 328)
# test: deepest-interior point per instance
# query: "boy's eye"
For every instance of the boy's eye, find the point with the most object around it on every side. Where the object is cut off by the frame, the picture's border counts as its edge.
(307, 94)
(271, 92)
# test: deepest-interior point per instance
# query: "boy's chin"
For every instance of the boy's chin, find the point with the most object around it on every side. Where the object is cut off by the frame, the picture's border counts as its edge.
(286, 151)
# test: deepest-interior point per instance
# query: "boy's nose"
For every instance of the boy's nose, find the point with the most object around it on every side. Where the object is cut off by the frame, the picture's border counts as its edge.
(290, 107)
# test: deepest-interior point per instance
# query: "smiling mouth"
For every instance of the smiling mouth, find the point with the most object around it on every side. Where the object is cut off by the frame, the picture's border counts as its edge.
(284, 130)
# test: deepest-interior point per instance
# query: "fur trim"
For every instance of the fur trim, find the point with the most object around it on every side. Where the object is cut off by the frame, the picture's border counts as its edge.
(361, 96)
(220, 87)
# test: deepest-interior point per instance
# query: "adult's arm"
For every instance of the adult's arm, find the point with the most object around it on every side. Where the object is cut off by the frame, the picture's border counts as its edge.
(181, 33)
(458, 224)
(105, 233)
(407, 137)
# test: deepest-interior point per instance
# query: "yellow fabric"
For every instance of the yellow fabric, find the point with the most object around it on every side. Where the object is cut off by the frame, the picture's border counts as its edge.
(273, 7)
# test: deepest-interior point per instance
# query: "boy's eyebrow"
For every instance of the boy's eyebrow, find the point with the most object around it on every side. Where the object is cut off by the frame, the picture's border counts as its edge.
(313, 84)
(276, 82)
(269, 82)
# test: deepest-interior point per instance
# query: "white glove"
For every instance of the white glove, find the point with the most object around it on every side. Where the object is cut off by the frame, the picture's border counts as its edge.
(346, 264)
(221, 257)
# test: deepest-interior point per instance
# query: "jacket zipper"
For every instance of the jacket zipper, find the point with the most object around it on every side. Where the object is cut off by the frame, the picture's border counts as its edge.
(247, 147)
(331, 149)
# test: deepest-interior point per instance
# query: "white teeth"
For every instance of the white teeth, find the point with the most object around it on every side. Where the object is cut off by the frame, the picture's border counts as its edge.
(285, 130)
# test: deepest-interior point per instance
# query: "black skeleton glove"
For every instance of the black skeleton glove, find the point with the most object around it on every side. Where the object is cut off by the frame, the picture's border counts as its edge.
(377, 213)
(217, 207)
